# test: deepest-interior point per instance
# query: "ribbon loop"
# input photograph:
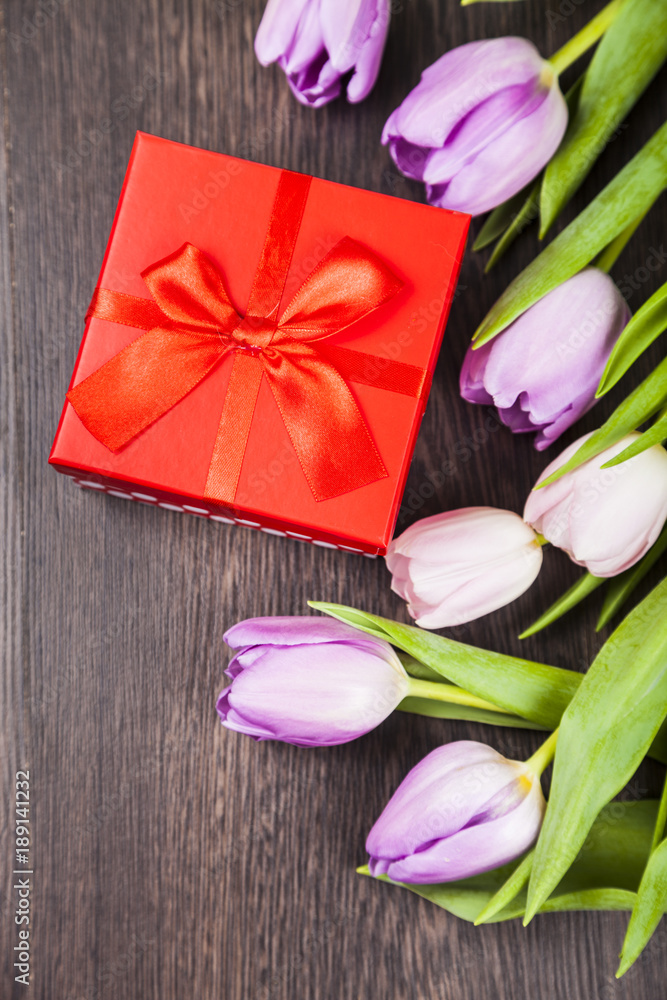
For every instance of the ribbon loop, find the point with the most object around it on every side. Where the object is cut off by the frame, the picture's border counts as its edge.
(192, 326)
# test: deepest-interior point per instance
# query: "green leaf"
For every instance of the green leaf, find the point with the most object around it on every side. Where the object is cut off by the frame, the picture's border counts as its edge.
(543, 692)
(579, 590)
(500, 218)
(603, 736)
(443, 710)
(508, 891)
(659, 746)
(648, 909)
(621, 586)
(528, 212)
(636, 408)
(605, 875)
(655, 434)
(534, 691)
(645, 326)
(626, 197)
(630, 54)
(651, 896)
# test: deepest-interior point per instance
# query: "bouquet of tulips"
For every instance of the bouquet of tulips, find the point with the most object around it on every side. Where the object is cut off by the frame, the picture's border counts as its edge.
(467, 828)
(489, 130)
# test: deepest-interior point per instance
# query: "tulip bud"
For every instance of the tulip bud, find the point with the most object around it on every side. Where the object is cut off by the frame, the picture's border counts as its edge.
(454, 567)
(463, 810)
(317, 42)
(542, 372)
(310, 681)
(605, 519)
(481, 124)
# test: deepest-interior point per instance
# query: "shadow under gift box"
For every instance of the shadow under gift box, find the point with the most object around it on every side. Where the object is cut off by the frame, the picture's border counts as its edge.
(175, 195)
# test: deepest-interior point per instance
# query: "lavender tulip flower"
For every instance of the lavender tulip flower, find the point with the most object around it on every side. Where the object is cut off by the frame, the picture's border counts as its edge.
(319, 42)
(454, 567)
(463, 810)
(542, 372)
(310, 681)
(605, 519)
(481, 123)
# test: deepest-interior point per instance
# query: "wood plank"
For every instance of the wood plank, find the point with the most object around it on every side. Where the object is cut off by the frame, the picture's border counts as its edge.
(174, 858)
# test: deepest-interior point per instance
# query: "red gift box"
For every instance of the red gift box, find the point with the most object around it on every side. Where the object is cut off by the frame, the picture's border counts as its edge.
(259, 347)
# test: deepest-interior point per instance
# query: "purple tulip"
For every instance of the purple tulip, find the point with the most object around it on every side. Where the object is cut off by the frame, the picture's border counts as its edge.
(463, 810)
(319, 42)
(542, 372)
(454, 567)
(314, 682)
(481, 123)
(605, 519)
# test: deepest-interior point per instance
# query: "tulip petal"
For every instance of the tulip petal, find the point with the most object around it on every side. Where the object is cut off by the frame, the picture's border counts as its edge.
(457, 82)
(277, 28)
(475, 849)
(621, 512)
(471, 381)
(370, 58)
(462, 810)
(317, 85)
(293, 694)
(454, 567)
(504, 167)
(485, 123)
(290, 630)
(411, 160)
(498, 586)
(437, 797)
(605, 519)
(345, 26)
(307, 44)
(556, 350)
(462, 536)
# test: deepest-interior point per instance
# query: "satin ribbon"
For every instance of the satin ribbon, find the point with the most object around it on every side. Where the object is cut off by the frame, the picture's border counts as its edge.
(192, 326)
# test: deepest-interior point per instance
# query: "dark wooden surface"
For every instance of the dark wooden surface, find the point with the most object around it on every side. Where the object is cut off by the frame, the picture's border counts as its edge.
(173, 858)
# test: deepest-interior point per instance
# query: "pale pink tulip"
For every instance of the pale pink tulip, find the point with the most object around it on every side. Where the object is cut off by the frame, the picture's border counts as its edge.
(605, 519)
(454, 567)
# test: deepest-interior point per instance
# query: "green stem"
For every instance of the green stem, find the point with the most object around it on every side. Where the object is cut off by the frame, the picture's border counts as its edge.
(659, 830)
(449, 693)
(584, 39)
(543, 757)
(613, 250)
(540, 539)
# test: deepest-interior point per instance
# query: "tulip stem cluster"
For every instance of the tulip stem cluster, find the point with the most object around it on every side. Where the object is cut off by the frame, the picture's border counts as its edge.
(436, 691)
(543, 757)
(586, 38)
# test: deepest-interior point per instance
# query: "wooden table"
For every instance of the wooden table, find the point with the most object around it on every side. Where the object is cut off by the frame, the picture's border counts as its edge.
(172, 858)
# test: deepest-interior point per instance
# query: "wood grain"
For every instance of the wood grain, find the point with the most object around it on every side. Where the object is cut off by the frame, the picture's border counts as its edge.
(173, 858)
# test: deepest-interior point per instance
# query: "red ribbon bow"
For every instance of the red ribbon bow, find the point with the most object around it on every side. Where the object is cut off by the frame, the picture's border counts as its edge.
(192, 325)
